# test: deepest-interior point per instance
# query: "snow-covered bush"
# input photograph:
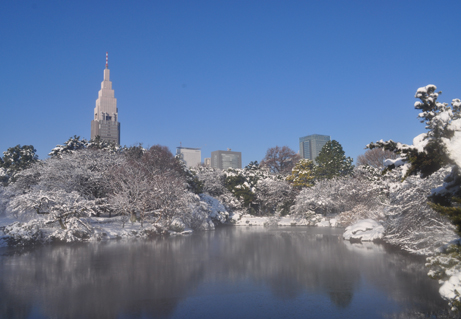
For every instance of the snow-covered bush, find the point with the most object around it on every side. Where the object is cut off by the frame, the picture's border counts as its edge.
(338, 195)
(446, 268)
(55, 205)
(212, 180)
(273, 196)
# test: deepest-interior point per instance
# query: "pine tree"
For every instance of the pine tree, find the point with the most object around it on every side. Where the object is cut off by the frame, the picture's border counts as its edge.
(72, 144)
(332, 161)
(16, 159)
(303, 174)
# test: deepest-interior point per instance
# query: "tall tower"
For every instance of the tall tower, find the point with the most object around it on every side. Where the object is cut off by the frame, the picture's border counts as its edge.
(105, 123)
(311, 145)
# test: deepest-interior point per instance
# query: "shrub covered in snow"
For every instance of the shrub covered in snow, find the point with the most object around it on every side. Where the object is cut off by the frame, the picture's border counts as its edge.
(364, 230)
(252, 189)
(338, 195)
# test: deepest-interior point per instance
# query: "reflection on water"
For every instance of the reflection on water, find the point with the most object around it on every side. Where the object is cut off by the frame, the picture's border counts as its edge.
(227, 273)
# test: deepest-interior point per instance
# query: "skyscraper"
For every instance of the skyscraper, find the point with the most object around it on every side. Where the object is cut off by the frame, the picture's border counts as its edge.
(311, 145)
(190, 156)
(105, 123)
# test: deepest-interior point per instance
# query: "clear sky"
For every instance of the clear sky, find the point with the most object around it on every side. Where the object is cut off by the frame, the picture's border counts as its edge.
(245, 75)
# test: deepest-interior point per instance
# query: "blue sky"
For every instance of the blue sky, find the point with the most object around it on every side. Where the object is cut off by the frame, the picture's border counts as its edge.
(245, 75)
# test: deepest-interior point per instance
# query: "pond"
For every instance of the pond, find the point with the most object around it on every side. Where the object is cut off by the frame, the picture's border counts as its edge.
(231, 272)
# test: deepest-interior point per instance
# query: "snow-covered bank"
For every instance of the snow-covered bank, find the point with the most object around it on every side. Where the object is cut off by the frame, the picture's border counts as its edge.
(289, 220)
(41, 231)
(204, 213)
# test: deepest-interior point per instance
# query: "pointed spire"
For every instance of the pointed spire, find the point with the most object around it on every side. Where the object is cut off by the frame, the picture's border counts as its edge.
(107, 60)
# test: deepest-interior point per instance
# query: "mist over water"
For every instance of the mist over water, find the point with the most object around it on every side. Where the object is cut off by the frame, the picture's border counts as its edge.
(232, 272)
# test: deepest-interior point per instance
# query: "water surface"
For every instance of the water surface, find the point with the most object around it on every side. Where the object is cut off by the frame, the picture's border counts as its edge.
(232, 272)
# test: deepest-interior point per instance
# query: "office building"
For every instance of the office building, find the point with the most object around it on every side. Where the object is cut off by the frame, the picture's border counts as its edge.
(190, 156)
(311, 145)
(105, 123)
(226, 159)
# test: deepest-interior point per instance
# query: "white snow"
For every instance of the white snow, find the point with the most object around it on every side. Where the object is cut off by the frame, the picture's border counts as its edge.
(420, 141)
(364, 230)
(454, 144)
(250, 220)
(397, 162)
(451, 288)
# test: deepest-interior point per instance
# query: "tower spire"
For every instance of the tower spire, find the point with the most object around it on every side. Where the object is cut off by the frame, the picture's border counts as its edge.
(107, 60)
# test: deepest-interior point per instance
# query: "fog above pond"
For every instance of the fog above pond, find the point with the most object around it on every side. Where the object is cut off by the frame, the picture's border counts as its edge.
(227, 273)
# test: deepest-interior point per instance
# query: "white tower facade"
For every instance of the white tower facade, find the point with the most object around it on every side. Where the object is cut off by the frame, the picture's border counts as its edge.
(190, 156)
(105, 122)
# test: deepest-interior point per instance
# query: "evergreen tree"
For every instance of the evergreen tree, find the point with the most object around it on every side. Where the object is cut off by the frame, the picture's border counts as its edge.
(332, 161)
(303, 174)
(16, 159)
(254, 165)
(100, 144)
(72, 144)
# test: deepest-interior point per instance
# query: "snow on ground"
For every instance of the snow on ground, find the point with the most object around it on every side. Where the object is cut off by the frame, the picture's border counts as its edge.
(364, 230)
(250, 220)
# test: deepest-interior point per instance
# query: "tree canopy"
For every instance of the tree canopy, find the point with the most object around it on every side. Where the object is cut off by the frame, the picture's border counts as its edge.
(302, 174)
(375, 157)
(16, 159)
(332, 161)
(280, 160)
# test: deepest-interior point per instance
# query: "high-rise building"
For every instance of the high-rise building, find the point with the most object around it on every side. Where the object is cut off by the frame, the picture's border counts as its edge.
(226, 159)
(311, 145)
(207, 161)
(105, 123)
(190, 156)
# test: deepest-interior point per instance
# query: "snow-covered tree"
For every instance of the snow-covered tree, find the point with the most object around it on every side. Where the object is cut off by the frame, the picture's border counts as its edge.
(83, 172)
(302, 174)
(57, 205)
(358, 192)
(411, 223)
(16, 159)
(437, 147)
(273, 196)
(100, 144)
(258, 190)
(211, 179)
(152, 184)
(332, 161)
(72, 144)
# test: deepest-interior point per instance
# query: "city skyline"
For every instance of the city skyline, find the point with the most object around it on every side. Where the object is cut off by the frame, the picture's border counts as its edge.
(218, 75)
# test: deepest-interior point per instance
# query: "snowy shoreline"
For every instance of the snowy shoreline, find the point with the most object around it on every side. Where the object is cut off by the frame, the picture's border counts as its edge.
(38, 231)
